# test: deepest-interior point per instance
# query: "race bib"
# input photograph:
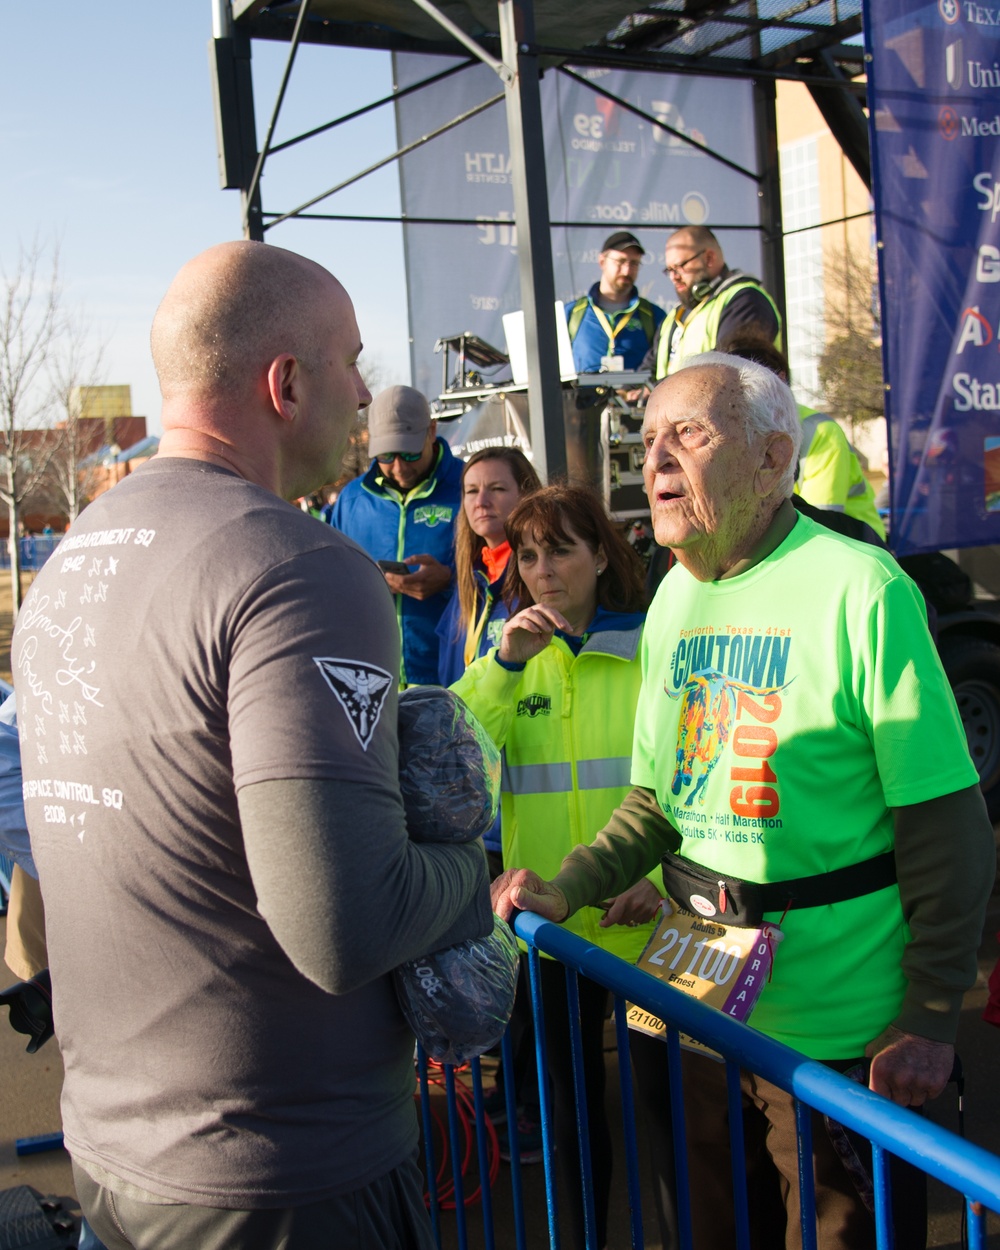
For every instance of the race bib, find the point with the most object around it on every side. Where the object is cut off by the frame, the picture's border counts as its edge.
(725, 966)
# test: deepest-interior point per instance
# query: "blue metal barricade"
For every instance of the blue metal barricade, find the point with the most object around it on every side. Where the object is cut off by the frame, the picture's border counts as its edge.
(6, 868)
(893, 1131)
(34, 550)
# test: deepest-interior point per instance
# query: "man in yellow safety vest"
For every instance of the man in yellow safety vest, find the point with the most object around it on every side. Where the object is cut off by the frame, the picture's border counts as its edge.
(714, 302)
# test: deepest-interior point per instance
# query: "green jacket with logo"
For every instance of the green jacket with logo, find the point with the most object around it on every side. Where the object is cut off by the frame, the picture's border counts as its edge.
(688, 332)
(565, 726)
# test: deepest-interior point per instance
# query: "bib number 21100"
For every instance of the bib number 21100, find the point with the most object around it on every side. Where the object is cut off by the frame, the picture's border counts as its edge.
(718, 961)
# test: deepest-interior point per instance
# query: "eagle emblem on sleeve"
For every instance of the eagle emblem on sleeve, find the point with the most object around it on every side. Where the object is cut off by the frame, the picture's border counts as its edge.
(360, 690)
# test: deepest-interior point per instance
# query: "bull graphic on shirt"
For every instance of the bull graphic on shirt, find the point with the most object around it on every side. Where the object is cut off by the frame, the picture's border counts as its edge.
(708, 707)
(360, 690)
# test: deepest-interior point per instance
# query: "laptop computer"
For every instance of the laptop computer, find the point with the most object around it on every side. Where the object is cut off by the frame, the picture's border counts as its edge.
(517, 347)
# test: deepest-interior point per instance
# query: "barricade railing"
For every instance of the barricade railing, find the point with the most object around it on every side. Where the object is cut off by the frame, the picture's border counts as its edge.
(6, 869)
(34, 549)
(892, 1131)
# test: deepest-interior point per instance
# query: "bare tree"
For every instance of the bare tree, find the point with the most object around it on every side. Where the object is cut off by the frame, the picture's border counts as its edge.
(356, 458)
(30, 324)
(850, 367)
(75, 364)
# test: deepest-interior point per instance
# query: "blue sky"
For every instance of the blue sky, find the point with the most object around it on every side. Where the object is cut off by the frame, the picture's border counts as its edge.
(108, 148)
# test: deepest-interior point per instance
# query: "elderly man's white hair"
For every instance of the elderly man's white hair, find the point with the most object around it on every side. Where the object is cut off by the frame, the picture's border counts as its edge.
(768, 405)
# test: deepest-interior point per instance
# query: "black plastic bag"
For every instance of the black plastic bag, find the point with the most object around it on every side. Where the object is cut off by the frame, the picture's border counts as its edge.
(449, 767)
(458, 1000)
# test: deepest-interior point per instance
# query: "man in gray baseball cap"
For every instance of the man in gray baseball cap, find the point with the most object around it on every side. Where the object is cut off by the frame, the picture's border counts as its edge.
(400, 427)
(402, 511)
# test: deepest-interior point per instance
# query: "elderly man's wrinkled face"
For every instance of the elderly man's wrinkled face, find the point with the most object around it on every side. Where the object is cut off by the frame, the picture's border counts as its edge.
(699, 469)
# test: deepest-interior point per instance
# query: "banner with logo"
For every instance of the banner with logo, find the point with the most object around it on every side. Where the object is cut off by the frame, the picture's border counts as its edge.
(934, 89)
(605, 166)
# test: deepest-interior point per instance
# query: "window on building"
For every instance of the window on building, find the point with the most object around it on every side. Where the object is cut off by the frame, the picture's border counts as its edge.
(800, 207)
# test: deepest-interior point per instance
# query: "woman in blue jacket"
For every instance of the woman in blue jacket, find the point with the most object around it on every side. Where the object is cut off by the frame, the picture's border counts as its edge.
(493, 481)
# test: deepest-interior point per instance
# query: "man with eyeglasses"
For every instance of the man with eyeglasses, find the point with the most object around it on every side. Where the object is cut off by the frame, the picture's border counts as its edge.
(715, 301)
(402, 512)
(612, 326)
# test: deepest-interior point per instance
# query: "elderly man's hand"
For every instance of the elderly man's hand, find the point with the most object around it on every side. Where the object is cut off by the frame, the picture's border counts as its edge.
(520, 889)
(637, 905)
(907, 1068)
(429, 579)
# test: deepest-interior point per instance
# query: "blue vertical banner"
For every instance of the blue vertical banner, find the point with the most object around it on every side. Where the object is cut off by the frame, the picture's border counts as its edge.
(934, 97)
(607, 168)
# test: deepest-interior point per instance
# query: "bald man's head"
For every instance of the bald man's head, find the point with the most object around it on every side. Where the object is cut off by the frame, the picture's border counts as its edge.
(695, 236)
(232, 310)
(693, 256)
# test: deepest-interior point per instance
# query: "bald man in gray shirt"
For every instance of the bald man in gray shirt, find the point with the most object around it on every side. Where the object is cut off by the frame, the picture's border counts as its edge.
(206, 685)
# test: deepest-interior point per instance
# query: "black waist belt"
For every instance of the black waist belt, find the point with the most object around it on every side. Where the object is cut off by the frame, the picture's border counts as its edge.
(708, 892)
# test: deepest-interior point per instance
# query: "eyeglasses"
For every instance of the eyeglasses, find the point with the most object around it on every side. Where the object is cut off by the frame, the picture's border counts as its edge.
(673, 271)
(409, 457)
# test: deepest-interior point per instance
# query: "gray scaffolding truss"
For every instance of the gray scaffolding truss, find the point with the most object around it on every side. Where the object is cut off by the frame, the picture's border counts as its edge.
(762, 40)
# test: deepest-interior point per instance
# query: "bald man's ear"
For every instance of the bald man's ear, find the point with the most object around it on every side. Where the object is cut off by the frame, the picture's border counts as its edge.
(284, 376)
(776, 456)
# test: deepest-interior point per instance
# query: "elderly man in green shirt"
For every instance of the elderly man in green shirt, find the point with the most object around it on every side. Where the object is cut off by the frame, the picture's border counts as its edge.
(794, 731)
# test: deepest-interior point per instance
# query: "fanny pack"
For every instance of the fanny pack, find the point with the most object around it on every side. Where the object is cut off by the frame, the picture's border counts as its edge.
(707, 892)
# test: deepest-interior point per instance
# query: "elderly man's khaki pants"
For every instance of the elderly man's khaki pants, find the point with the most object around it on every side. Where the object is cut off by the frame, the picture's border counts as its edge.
(843, 1221)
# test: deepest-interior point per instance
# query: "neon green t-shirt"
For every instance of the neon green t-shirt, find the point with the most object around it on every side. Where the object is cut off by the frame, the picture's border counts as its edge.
(783, 713)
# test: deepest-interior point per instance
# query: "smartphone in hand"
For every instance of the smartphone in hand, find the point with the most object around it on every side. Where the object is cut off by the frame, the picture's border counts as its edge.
(394, 566)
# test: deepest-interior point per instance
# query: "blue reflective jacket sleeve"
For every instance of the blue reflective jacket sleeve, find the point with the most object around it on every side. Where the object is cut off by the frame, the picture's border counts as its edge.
(14, 840)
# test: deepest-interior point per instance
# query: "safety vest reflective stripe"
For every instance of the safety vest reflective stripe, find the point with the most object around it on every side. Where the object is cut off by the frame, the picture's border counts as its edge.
(537, 778)
(596, 774)
(599, 774)
(810, 425)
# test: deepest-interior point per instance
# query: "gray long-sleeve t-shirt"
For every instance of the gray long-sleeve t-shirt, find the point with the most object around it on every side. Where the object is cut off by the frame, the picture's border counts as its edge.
(207, 703)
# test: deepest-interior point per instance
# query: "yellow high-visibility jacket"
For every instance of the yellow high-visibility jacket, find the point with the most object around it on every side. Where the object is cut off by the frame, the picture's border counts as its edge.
(565, 725)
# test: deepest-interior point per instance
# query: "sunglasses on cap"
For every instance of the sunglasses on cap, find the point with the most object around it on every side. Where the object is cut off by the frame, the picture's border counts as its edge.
(409, 457)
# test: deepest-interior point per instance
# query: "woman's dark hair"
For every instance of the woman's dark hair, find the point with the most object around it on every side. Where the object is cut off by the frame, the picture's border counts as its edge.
(469, 545)
(750, 343)
(549, 515)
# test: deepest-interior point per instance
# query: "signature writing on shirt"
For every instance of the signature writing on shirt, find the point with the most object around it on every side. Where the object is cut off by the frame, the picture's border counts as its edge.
(73, 671)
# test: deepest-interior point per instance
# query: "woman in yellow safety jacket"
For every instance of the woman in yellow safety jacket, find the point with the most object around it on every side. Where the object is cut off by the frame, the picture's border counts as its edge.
(558, 695)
